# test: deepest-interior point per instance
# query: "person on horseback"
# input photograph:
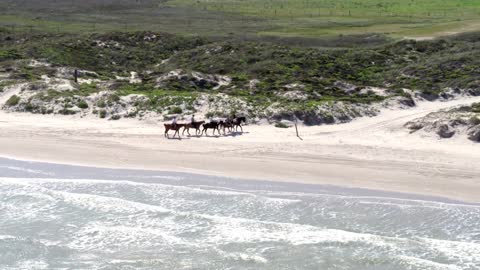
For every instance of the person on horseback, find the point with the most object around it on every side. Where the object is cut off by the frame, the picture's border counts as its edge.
(174, 122)
(193, 119)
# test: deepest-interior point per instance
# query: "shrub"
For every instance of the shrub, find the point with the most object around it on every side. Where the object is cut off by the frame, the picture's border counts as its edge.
(101, 104)
(113, 98)
(175, 110)
(209, 115)
(82, 104)
(476, 107)
(29, 107)
(474, 120)
(102, 114)
(281, 125)
(66, 112)
(9, 55)
(115, 117)
(13, 101)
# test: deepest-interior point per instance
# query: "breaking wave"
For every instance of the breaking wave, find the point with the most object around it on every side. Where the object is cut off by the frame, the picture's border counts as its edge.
(85, 224)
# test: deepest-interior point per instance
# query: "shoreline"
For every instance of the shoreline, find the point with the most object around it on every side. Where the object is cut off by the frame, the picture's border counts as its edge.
(371, 152)
(205, 180)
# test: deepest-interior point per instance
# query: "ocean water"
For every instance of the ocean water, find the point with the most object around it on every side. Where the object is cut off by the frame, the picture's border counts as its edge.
(65, 217)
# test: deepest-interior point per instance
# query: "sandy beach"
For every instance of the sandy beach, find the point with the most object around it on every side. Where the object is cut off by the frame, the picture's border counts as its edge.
(375, 153)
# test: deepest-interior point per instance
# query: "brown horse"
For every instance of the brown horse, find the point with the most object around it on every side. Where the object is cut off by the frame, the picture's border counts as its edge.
(175, 127)
(237, 122)
(212, 125)
(195, 125)
(227, 124)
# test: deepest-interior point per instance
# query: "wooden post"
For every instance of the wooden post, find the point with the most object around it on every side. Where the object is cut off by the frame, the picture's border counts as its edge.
(75, 74)
(296, 127)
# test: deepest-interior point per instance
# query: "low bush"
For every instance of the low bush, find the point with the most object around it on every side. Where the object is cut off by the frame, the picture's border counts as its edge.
(476, 107)
(474, 120)
(102, 113)
(101, 104)
(115, 117)
(13, 101)
(82, 105)
(281, 125)
(175, 110)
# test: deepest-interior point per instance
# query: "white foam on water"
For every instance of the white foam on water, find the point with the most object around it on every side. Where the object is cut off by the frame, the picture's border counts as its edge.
(7, 237)
(111, 238)
(239, 230)
(116, 223)
(165, 177)
(13, 168)
(462, 251)
(401, 201)
(419, 263)
(108, 204)
(239, 256)
(150, 188)
(32, 264)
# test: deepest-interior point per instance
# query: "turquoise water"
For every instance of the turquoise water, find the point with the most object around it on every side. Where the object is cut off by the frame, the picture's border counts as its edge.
(62, 217)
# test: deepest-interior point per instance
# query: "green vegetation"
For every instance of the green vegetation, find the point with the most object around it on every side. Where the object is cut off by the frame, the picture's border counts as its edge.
(175, 71)
(175, 110)
(102, 113)
(281, 125)
(476, 107)
(297, 21)
(82, 104)
(13, 101)
(10, 54)
(474, 120)
(333, 17)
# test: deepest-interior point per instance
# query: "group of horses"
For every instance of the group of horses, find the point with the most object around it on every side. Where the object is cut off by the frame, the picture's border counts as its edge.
(201, 127)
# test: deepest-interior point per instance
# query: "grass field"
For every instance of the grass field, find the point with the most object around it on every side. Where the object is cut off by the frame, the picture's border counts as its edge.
(333, 17)
(313, 19)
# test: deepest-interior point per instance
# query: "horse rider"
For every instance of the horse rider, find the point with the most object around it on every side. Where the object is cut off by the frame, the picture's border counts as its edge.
(233, 117)
(174, 122)
(193, 119)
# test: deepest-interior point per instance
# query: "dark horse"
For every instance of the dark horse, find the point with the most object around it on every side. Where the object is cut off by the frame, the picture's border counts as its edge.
(227, 124)
(212, 125)
(175, 127)
(195, 125)
(237, 122)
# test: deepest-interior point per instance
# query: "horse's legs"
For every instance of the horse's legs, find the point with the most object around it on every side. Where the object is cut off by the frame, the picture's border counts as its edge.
(188, 131)
(166, 132)
(241, 127)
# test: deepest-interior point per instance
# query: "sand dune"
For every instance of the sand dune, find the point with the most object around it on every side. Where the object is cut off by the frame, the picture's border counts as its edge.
(375, 152)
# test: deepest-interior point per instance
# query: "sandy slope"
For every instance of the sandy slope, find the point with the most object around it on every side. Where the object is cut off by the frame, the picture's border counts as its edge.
(369, 152)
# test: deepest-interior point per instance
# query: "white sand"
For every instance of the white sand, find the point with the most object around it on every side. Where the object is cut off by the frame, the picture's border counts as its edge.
(375, 153)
